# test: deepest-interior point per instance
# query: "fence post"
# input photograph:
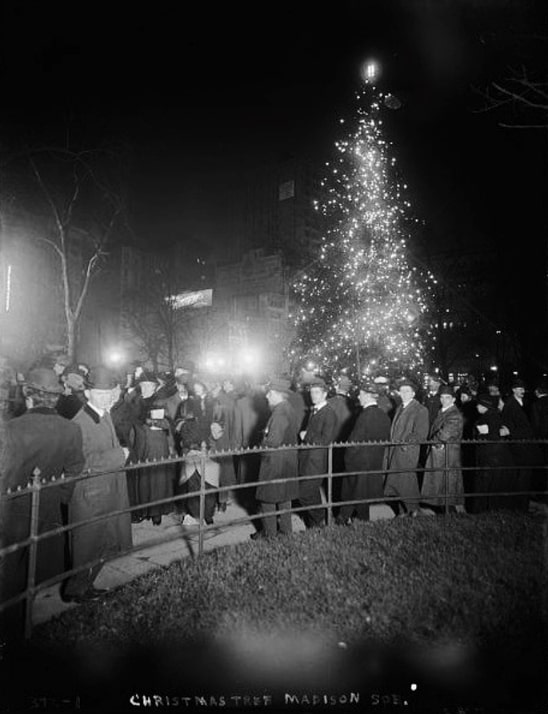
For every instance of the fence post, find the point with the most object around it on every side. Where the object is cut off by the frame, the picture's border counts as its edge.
(203, 458)
(445, 478)
(31, 570)
(329, 484)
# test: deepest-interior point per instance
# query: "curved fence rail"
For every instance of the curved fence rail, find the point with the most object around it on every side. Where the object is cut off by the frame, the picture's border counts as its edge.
(40, 483)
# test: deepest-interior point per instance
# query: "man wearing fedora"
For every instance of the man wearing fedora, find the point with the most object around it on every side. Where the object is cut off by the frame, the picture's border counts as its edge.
(39, 439)
(321, 429)
(410, 426)
(526, 456)
(372, 424)
(98, 495)
(281, 430)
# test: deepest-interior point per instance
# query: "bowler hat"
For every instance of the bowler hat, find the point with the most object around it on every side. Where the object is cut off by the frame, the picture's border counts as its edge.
(446, 389)
(43, 379)
(279, 384)
(518, 383)
(407, 383)
(318, 382)
(486, 400)
(146, 377)
(369, 388)
(102, 377)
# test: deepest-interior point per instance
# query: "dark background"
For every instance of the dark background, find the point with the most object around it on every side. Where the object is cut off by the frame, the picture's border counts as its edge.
(202, 91)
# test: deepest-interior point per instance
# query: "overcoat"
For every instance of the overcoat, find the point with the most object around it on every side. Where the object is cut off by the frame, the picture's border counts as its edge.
(410, 425)
(372, 424)
(320, 429)
(281, 430)
(40, 438)
(447, 426)
(341, 406)
(492, 455)
(100, 494)
(515, 418)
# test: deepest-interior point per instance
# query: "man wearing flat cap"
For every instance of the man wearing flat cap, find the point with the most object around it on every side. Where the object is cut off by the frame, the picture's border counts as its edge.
(39, 439)
(372, 424)
(320, 428)
(98, 495)
(410, 426)
(515, 419)
(281, 430)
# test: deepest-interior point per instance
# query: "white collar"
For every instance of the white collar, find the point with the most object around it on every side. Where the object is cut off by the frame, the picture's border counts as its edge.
(518, 400)
(101, 412)
(316, 407)
(444, 409)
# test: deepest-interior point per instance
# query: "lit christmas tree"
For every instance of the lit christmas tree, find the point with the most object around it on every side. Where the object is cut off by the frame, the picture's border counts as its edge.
(360, 306)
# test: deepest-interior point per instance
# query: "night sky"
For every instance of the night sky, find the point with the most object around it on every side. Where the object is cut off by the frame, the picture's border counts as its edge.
(201, 92)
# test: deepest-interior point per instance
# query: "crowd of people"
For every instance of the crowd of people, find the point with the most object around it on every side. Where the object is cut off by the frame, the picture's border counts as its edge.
(64, 419)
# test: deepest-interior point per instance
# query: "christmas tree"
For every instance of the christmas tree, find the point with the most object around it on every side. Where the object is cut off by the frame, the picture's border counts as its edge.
(360, 306)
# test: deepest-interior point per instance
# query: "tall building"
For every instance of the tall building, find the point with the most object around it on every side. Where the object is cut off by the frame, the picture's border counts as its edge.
(274, 210)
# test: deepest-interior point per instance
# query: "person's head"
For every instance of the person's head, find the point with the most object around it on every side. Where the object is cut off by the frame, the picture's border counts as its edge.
(541, 388)
(518, 388)
(318, 391)
(73, 379)
(464, 395)
(407, 391)
(215, 388)
(61, 361)
(343, 385)
(228, 385)
(42, 388)
(447, 396)
(199, 389)
(104, 390)
(148, 387)
(382, 384)
(368, 394)
(277, 390)
(493, 389)
(181, 389)
(485, 403)
(434, 383)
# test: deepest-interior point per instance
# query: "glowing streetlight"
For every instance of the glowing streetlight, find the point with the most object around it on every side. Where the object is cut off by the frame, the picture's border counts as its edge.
(371, 71)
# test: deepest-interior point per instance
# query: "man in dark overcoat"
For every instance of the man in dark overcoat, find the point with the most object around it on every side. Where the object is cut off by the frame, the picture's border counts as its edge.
(444, 456)
(410, 426)
(539, 422)
(98, 495)
(525, 456)
(41, 439)
(344, 410)
(372, 424)
(321, 428)
(281, 430)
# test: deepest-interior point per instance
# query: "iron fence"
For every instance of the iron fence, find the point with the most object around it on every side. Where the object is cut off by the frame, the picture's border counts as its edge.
(39, 484)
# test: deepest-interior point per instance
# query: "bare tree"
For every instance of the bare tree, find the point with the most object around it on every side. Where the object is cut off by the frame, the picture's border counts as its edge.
(522, 97)
(84, 208)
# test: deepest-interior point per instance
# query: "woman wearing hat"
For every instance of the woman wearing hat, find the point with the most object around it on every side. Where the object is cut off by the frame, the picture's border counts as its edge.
(492, 456)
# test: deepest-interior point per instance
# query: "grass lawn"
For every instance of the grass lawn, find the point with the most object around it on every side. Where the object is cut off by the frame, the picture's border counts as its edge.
(416, 610)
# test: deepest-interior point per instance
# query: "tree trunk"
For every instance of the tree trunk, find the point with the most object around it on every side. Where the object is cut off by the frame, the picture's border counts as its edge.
(71, 337)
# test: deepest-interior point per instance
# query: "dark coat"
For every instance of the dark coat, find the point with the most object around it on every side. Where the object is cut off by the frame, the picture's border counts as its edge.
(101, 494)
(280, 430)
(447, 427)
(40, 438)
(410, 425)
(298, 403)
(68, 405)
(515, 418)
(433, 403)
(342, 407)
(320, 429)
(372, 424)
(492, 455)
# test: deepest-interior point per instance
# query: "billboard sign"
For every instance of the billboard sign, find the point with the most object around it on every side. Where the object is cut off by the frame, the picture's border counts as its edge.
(196, 298)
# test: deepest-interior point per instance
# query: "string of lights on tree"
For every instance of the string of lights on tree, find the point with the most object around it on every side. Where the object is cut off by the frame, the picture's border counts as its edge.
(361, 307)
